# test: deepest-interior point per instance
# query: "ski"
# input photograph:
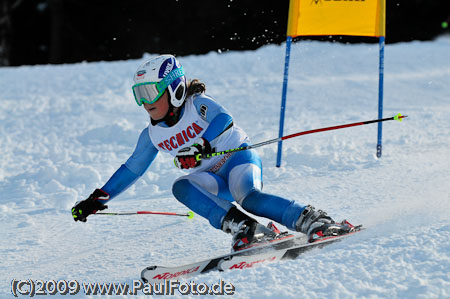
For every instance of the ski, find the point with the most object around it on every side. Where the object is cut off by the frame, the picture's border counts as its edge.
(286, 248)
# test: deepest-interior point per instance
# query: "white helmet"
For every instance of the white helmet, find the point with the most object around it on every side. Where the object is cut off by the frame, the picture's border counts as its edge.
(156, 75)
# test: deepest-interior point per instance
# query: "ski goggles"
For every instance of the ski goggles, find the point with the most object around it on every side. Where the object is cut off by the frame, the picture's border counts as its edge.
(150, 92)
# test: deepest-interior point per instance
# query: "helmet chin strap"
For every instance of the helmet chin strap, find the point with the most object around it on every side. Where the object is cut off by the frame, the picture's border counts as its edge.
(171, 117)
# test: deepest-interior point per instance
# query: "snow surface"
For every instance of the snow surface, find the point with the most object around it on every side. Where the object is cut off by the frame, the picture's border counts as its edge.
(65, 129)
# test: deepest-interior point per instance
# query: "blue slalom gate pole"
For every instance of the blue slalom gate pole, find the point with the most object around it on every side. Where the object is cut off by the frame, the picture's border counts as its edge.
(283, 97)
(380, 96)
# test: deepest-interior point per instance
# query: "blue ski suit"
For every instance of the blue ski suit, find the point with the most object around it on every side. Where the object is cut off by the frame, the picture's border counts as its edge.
(210, 189)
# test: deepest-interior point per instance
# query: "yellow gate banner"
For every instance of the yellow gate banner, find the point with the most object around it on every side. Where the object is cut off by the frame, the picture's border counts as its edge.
(337, 17)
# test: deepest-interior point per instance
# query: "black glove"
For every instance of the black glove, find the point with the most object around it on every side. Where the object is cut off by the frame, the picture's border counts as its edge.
(89, 206)
(191, 156)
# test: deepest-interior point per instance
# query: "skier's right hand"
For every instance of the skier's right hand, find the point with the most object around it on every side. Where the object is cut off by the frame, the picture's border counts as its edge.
(89, 206)
(190, 157)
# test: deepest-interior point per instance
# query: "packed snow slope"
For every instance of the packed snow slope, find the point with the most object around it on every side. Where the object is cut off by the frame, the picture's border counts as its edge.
(65, 129)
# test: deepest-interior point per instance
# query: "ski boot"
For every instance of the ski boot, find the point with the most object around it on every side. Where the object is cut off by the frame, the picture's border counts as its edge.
(246, 231)
(317, 225)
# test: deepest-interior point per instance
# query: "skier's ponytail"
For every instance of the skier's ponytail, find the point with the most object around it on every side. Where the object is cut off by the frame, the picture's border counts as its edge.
(195, 86)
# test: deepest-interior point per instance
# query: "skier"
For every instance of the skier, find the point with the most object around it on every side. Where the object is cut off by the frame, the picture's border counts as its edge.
(185, 122)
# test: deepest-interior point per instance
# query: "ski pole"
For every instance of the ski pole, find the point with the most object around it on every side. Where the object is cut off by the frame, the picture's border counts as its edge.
(189, 214)
(398, 117)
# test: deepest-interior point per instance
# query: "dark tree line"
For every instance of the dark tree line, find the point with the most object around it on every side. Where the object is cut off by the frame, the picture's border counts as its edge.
(65, 31)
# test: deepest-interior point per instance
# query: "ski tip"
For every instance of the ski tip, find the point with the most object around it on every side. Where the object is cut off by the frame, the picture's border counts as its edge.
(151, 268)
(190, 215)
(400, 117)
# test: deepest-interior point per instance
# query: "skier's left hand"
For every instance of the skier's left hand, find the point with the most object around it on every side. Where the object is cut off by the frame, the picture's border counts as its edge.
(190, 157)
(91, 205)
